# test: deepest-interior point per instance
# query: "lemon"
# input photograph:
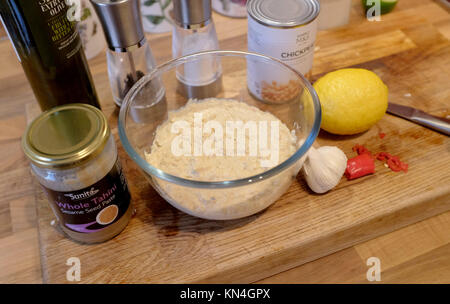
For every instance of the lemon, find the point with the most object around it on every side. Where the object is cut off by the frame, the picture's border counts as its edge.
(352, 100)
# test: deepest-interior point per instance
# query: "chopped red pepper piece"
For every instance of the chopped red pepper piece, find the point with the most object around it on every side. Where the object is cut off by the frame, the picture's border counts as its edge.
(360, 149)
(383, 156)
(394, 165)
(382, 135)
(393, 162)
(359, 166)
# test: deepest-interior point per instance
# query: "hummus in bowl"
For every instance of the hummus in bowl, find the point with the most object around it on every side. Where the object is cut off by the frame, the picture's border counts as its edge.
(221, 157)
(220, 140)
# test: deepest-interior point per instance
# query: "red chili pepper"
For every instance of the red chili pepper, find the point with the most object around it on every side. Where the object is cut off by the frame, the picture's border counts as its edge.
(360, 149)
(359, 166)
(396, 165)
(393, 162)
(383, 156)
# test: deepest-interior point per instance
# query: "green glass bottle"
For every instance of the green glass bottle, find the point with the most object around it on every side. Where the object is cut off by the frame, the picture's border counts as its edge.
(50, 51)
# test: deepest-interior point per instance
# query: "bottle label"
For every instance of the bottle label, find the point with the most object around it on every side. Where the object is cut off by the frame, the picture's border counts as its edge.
(53, 35)
(95, 207)
(62, 32)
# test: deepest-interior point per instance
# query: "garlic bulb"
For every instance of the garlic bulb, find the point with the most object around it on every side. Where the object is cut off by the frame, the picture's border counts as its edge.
(324, 168)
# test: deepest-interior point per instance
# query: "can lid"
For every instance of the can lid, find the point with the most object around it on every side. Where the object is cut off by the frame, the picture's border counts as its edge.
(283, 14)
(66, 136)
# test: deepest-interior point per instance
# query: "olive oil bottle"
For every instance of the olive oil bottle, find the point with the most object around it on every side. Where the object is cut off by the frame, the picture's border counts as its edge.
(49, 48)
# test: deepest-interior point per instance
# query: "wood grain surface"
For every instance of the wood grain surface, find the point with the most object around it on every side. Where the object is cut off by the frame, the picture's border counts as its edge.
(409, 49)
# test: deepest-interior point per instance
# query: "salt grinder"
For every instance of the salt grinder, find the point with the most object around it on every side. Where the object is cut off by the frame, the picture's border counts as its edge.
(128, 56)
(194, 32)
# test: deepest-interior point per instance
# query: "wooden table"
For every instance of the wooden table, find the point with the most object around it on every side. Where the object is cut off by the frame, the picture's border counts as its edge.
(419, 253)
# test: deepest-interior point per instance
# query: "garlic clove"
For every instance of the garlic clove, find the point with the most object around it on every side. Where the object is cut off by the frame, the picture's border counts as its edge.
(324, 168)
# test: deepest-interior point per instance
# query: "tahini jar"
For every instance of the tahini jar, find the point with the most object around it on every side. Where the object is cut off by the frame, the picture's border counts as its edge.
(74, 157)
(285, 30)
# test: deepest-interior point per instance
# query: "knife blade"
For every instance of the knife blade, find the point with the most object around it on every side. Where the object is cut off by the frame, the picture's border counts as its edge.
(439, 124)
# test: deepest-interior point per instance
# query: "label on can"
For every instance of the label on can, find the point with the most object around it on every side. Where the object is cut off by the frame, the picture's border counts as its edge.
(95, 207)
(294, 46)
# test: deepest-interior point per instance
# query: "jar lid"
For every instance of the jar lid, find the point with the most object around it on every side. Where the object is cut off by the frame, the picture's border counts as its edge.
(283, 14)
(66, 136)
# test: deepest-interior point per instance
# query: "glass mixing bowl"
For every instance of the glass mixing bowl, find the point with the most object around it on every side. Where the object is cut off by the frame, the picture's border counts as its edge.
(257, 80)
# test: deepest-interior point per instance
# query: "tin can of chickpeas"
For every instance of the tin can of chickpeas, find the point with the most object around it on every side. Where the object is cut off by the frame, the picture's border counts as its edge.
(285, 30)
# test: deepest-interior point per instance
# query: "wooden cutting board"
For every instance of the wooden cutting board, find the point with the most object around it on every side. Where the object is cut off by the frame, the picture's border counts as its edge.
(161, 244)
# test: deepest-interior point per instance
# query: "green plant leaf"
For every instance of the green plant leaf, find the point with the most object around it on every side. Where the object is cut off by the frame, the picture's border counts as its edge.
(166, 4)
(155, 19)
(149, 2)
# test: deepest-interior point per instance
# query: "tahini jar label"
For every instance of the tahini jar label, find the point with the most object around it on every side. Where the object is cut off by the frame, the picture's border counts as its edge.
(93, 208)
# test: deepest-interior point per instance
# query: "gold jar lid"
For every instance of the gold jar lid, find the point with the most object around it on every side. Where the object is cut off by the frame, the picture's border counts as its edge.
(66, 136)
